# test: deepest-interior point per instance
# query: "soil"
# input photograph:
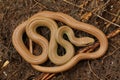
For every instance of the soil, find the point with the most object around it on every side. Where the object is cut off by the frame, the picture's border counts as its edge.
(14, 12)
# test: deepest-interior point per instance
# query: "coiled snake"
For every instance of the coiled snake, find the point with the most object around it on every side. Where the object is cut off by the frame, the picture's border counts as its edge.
(49, 49)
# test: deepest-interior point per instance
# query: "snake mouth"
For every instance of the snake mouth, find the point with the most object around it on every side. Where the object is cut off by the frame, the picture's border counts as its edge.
(90, 43)
(87, 44)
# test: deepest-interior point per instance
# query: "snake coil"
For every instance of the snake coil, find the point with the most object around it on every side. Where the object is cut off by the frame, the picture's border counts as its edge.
(46, 18)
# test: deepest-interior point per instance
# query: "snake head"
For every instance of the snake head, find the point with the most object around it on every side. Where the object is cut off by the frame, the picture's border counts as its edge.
(85, 41)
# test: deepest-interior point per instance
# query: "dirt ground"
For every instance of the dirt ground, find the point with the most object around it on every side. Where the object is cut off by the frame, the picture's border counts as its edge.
(104, 14)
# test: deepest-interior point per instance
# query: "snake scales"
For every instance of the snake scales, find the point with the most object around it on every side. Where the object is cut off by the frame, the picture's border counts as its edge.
(49, 49)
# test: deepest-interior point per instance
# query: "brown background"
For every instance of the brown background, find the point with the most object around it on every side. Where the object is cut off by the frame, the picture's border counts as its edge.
(99, 12)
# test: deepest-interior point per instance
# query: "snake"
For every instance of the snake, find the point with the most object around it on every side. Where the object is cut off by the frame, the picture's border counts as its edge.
(49, 49)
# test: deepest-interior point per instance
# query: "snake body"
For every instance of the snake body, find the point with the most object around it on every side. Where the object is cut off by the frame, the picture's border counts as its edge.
(46, 18)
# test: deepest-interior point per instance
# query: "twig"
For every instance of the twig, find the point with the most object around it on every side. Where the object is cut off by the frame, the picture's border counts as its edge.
(33, 5)
(110, 54)
(107, 20)
(93, 71)
(114, 19)
(113, 33)
(45, 76)
(73, 4)
(40, 4)
(93, 12)
(112, 14)
(50, 76)
(40, 76)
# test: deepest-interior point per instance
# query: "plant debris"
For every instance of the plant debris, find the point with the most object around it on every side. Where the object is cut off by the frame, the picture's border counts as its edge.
(104, 14)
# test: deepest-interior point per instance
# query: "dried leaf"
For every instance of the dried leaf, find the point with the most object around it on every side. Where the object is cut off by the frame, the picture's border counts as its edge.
(86, 16)
(5, 64)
